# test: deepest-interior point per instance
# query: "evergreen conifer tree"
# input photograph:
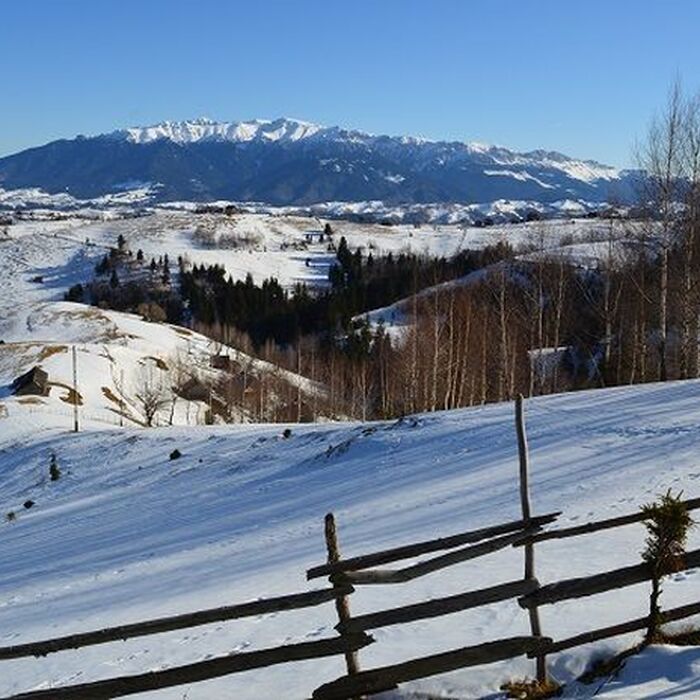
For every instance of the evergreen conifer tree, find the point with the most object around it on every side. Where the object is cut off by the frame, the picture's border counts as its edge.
(667, 522)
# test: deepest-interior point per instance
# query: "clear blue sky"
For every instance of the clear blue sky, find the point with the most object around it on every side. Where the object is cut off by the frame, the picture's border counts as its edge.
(579, 76)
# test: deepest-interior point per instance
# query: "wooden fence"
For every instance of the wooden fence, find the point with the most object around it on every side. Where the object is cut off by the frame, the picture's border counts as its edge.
(202, 670)
(345, 574)
(525, 533)
(529, 593)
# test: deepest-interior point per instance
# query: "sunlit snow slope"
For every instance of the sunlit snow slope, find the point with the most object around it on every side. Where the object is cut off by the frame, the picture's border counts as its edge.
(126, 534)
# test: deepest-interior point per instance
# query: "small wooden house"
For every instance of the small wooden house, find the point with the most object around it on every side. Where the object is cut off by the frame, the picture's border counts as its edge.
(32, 383)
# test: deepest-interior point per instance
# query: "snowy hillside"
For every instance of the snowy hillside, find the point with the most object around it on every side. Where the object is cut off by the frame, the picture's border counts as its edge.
(135, 198)
(40, 261)
(117, 356)
(126, 534)
(266, 244)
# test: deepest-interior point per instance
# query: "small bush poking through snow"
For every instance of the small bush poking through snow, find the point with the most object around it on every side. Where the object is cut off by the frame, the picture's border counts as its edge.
(11, 516)
(28, 504)
(54, 471)
(667, 522)
(687, 636)
(531, 689)
(287, 433)
(175, 454)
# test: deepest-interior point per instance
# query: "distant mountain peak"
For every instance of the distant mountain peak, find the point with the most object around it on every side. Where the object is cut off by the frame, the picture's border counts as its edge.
(206, 129)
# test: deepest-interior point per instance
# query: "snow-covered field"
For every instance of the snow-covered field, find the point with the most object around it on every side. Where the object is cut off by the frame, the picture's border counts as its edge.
(278, 245)
(133, 196)
(126, 534)
(39, 260)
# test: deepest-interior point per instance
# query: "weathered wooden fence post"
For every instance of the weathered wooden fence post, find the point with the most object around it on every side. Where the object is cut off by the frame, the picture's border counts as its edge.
(529, 548)
(342, 604)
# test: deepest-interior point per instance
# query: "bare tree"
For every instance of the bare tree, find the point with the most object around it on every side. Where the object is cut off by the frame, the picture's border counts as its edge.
(691, 280)
(660, 157)
(151, 391)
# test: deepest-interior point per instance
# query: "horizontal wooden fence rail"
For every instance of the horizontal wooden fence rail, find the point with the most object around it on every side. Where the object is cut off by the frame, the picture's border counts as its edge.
(622, 628)
(438, 606)
(200, 671)
(176, 622)
(596, 526)
(409, 551)
(598, 583)
(381, 576)
(388, 677)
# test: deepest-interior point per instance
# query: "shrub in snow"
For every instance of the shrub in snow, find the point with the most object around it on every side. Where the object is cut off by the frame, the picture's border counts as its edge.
(54, 471)
(28, 504)
(528, 689)
(75, 293)
(150, 311)
(667, 522)
(175, 454)
(286, 433)
(11, 517)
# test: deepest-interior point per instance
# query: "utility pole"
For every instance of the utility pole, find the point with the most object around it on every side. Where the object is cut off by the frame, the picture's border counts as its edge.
(76, 427)
(298, 382)
(121, 401)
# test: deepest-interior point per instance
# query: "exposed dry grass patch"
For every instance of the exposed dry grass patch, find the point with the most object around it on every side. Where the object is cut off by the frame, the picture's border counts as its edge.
(160, 363)
(71, 397)
(49, 350)
(530, 689)
(688, 636)
(111, 396)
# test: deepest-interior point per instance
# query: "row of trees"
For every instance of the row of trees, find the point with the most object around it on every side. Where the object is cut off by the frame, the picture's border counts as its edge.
(357, 283)
(547, 322)
(537, 324)
(244, 389)
(671, 158)
(127, 282)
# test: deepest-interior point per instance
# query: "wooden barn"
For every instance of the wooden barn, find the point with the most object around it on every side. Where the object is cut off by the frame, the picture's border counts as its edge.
(32, 383)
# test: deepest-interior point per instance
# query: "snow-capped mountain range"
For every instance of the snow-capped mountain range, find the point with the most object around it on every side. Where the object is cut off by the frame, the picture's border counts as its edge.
(204, 129)
(291, 162)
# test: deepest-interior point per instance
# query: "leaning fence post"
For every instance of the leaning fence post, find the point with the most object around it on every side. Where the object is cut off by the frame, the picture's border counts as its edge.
(342, 604)
(530, 547)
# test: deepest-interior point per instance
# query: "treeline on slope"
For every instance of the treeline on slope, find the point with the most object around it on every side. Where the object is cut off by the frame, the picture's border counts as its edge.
(278, 325)
(127, 282)
(533, 325)
(541, 325)
(357, 283)
(546, 323)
